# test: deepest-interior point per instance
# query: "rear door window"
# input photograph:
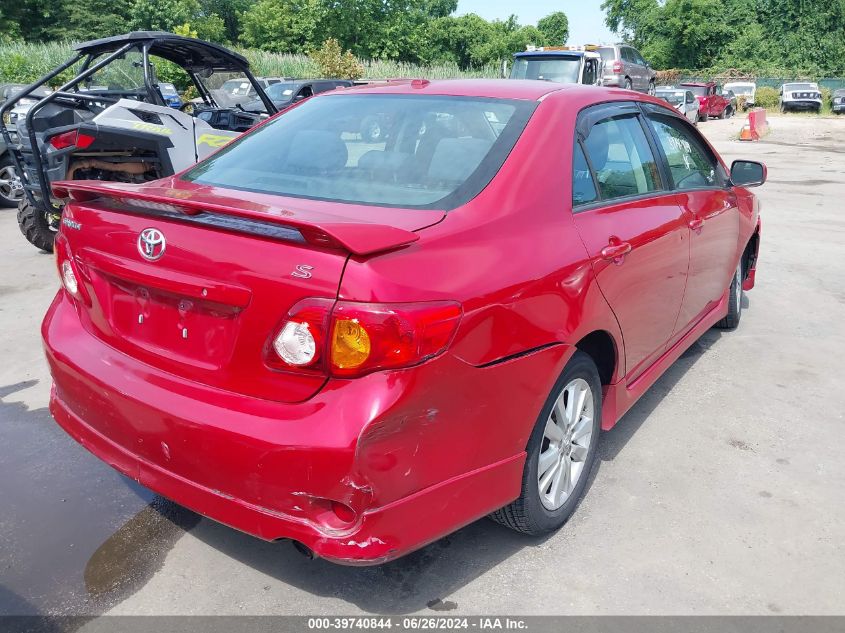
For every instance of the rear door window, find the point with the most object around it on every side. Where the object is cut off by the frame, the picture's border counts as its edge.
(621, 158)
(583, 188)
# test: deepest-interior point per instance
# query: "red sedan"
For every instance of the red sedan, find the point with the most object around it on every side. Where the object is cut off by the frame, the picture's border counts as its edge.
(364, 345)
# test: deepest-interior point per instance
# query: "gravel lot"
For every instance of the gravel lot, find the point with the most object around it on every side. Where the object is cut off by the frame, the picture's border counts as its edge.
(720, 492)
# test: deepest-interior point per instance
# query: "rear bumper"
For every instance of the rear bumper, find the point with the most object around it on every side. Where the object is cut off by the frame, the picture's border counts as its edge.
(381, 535)
(613, 80)
(409, 452)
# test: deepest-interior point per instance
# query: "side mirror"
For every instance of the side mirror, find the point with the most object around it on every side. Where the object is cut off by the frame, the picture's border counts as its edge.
(748, 173)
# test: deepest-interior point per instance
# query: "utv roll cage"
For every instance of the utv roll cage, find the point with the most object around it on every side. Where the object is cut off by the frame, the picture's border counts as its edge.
(196, 57)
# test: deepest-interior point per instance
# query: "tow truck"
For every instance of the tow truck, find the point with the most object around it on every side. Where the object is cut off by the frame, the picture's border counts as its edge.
(562, 64)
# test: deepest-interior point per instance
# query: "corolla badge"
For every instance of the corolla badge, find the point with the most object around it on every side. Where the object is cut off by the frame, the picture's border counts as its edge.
(151, 244)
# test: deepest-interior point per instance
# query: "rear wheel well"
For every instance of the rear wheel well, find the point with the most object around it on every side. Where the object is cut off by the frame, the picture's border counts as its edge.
(600, 347)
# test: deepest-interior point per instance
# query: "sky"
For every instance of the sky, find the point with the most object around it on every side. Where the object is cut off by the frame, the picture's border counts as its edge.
(586, 19)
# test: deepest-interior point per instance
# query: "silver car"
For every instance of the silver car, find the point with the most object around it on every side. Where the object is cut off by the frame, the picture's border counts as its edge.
(680, 99)
(626, 68)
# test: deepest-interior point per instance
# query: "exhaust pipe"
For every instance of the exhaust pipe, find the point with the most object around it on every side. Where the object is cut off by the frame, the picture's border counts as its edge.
(304, 550)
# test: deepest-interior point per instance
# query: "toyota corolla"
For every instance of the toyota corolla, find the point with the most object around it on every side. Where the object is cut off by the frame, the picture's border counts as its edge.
(362, 345)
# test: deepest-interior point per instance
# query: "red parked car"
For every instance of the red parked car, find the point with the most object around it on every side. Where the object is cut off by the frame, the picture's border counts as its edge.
(363, 346)
(711, 103)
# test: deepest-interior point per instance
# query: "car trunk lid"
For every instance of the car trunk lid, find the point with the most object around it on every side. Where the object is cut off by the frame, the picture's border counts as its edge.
(202, 294)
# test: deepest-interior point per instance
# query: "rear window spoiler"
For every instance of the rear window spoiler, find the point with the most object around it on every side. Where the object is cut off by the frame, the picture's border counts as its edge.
(359, 238)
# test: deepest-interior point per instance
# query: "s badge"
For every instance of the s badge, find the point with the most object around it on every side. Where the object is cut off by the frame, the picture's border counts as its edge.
(303, 271)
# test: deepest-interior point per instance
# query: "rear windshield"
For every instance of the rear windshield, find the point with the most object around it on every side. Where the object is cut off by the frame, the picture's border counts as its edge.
(608, 53)
(799, 87)
(562, 69)
(675, 98)
(391, 150)
(740, 89)
(281, 91)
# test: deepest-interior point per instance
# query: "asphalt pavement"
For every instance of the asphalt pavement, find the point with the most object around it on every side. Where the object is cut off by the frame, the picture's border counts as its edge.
(721, 492)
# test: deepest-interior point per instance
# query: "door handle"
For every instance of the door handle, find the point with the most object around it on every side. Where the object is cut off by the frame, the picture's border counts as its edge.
(696, 224)
(616, 251)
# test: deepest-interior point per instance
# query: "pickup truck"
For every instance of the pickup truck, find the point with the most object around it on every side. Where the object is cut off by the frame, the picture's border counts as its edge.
(710, 102)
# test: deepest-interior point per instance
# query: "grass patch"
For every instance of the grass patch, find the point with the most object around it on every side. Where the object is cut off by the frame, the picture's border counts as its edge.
(23, 62)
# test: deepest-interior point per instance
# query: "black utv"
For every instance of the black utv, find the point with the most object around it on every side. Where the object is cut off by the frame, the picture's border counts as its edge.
(113, 122)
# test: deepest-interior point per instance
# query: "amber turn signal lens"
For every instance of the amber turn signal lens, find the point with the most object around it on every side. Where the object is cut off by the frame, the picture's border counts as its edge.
(350, 344)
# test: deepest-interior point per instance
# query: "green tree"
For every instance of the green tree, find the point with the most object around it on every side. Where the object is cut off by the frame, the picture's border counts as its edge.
(93, 19)
(162, 15)
(281, 25)
(229, 12)
(555, 28)
(633, 20)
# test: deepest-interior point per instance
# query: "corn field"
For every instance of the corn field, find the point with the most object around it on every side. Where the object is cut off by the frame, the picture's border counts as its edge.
(23, 63)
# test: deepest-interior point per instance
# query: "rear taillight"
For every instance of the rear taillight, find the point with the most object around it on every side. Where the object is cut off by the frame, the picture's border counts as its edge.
(69, 271)
(72, 138)
(351, 339)
(617, 66)
(300, 341)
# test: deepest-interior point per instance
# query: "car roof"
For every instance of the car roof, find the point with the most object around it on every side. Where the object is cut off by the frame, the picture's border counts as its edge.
(183, 51)
(578, 95)
(527, 89)
(551, 53)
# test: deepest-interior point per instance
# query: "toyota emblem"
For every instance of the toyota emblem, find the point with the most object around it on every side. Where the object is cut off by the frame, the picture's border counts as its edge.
(151, 244)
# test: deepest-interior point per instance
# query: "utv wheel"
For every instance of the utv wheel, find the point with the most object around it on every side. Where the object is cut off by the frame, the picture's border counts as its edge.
(10, 190)
(560, 453)
(731, 320)
(36, 226)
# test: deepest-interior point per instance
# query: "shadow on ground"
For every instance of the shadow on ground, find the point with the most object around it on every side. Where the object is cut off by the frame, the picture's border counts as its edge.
(426, 578)
(115, 534)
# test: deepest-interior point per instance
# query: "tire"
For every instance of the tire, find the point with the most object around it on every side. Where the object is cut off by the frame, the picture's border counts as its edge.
(703, 117)
(731, 320)
(723, 114)
(533, 513)
(628, 85)
(783, 109)
(35, 226)
(9, 196)
(652, 89)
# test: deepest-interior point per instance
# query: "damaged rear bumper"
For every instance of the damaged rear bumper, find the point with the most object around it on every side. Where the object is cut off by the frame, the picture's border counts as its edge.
(398, 452)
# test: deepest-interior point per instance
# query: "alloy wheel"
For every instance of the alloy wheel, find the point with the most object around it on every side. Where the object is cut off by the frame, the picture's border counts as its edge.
(567, 441)
(10, 185)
